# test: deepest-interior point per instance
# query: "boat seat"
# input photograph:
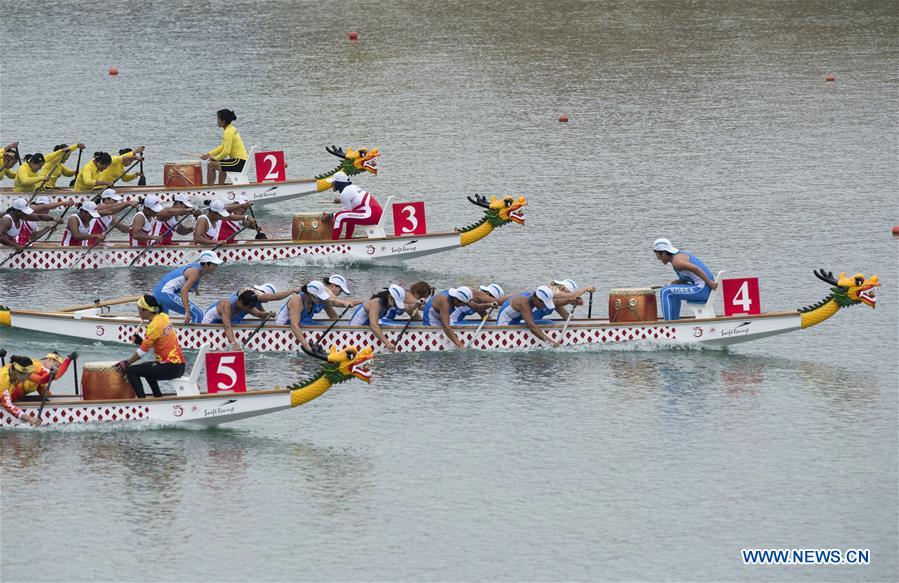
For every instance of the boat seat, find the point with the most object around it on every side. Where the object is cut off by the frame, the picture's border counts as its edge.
(705, 309)
(189, 384)
(377, 231)
(242, 177)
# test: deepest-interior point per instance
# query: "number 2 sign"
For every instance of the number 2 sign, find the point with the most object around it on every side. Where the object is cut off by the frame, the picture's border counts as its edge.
(270, 167)
(225, 372)
(741, 296)
(409, 219)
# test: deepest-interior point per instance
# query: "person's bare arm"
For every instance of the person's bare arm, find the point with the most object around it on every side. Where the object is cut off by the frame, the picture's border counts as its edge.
(200, 233)
(443, 310)
(683, 263)
(191, 276)
(224, 310)
(5, 225)
(373, 316)
(294, 308)
(528, 318)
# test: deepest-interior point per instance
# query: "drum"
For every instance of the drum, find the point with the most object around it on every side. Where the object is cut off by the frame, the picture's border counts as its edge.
(101, 380)
(188, 173)
(311, 227)
(635, 304)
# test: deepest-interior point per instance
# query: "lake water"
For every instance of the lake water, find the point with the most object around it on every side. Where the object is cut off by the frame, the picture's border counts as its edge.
(706, 122)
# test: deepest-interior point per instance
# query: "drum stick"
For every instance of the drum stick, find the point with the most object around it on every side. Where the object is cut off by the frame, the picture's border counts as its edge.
(657, 287)
(192, 154)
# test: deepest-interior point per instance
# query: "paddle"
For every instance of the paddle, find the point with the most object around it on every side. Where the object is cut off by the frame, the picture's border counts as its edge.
(258, 328)
(77, 167)
(44, 181)
(259, 233)
(567, 321)
(106, 232)
(143, 179)
(480, 326)
(74, 357)
(229, 239)
(169, 230)
(2, 357)
(406, 327)
(122, 175)
(49, 231)
(590, 307)
(40, 411)
(331, 327)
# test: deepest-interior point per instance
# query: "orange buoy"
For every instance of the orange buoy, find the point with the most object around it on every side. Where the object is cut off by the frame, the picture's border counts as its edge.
(354, 35)
(113, 71)
(830, 77)
(563, 118)
(896, 231)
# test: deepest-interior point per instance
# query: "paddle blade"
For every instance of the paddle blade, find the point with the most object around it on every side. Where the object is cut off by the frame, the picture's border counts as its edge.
(261, 235)
(72, 182)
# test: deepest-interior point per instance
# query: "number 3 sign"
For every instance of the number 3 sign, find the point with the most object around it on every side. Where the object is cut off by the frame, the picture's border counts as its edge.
(741, 296)
(409, 219)
(270, 167)
(225, 372)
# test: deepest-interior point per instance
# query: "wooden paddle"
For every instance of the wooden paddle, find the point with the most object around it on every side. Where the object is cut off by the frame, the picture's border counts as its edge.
(77, 167)
(148, 247)
(257, 329)
(106, 232)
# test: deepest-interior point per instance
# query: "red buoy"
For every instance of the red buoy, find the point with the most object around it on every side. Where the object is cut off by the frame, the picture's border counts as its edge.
(563, 118)
(896, 231)
(354, 35)
(830, 77)
(113, 71)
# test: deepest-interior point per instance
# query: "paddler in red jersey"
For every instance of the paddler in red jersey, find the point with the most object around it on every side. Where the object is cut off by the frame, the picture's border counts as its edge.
(168, 223)
(212, 228)
(16, 221)
(162, 339)
(111, 203)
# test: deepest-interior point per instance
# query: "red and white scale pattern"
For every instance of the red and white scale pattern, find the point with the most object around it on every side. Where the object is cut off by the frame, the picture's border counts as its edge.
(165, 196)
(75, 257)
(64, 415)
(415, 339)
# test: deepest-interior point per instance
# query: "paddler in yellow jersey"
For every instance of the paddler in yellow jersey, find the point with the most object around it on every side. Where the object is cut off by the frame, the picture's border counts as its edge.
(163, 340)
(89, 177)
(10, 155)
(231, 155)
(52, 172)
(13, 377)
(117, 165)
(29, 176)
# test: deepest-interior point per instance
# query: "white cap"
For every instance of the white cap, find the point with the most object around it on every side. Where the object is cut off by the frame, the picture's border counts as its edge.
(461, 293)
(494, 289)
(567, 284)
(110, 193)
(340, 281)
(21, 205)
(42, 200)
(151, 201)
(266, 288)
(209, 256)
(545, 295)
(663, 245)
(339, 177)
(317, 289)
(184, 199)
(398, 294)
(218, 206)
(90, 207)
(241, 200)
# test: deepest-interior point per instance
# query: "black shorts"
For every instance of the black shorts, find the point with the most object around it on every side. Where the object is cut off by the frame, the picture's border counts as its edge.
(232, 164)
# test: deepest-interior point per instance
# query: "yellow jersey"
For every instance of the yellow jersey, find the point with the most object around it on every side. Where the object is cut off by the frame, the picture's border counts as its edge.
(231, 146)
(115, 169)
(9, 173)
(26, 178)
(87, 178)
(61, 170)
(163, 339)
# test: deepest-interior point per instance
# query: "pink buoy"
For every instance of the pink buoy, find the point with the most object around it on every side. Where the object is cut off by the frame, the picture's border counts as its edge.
(113, 71)
(354, 35)
(830, 77)
(896, 231)
(563, 118)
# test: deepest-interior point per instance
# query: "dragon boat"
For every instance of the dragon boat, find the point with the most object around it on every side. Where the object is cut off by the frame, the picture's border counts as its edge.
(352, 162)
(189, 407)
(97, 323)
(378, 249)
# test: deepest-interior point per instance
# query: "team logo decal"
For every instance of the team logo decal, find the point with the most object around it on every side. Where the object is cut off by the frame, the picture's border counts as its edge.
(370, 249)
(177, 410)
(100, 330)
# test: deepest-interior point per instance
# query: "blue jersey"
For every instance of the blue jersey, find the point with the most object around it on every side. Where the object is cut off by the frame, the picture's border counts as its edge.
(428, 318)
(690, 277)
(212, 316)
(509, 315)
(173, 281)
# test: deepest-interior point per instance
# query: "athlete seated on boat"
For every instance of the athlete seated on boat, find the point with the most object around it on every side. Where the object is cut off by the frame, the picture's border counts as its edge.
(162, 338)
(30, 229)
(211, 228)
(78, 227)
(14, 222)
(52, 172)
(359, 207)
(566, 292)
(168, 223)
(448, 307)
(29, 176)
(89, 176)
(13, 377)
(529, 308)
(172, 291)
(233, 309)
(309, 300)
(118, 165)
(231, 155)
(145, 225)
(383, 308)
(110, 204)
(694, 280)
(10, 155)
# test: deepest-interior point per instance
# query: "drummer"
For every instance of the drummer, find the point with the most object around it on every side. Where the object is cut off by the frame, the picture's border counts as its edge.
(208, 228)
(172, 291)
(89, 176)
(13, 377)
(312, 298)
(110, 204)
(78, 228)
(162, 338)
(236, 307)
(168, 222)
(29, 176)
(231, 155)
(14, 222)
(383, 308)
(359, 207)
(52, 174)
(694, 280)
(117, 164)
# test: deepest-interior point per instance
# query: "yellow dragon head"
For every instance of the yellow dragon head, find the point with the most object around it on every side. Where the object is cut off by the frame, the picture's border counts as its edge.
(501, 210)
(848, 290)
(354, 161)
(343, 365)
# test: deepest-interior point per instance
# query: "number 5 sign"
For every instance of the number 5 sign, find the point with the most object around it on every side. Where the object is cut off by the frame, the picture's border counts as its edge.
(409, 219)
(741, 296)
(225, 372)
(270, 166)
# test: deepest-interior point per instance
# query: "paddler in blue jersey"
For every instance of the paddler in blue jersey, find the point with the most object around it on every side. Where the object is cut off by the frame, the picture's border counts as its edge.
(694, 280)
(383, 308)
(313, 298)
(449, 307)
(172, 291)
(531, 308)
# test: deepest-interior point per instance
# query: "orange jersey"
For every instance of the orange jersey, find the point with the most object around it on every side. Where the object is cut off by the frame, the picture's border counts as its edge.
(163, 339)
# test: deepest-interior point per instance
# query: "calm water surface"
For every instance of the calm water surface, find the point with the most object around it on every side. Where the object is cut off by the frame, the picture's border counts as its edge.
(709, 123)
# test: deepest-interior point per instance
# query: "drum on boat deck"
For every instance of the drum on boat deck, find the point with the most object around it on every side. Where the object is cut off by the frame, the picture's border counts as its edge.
(633, 304)
(101, 380)
(311, 227)
(183, 173)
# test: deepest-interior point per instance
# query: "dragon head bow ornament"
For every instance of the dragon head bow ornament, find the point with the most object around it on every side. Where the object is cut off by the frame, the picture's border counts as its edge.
(339, 366)
(847, 291)
(500, 211)
(353, 162)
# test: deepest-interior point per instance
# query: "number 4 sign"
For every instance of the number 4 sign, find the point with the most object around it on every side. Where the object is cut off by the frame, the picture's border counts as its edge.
(409, 219)
(741, 296)
(225, 372)
(270, 167)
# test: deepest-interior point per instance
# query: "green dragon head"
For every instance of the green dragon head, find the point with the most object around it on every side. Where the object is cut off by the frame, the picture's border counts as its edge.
(847, 290)
(342, 365)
